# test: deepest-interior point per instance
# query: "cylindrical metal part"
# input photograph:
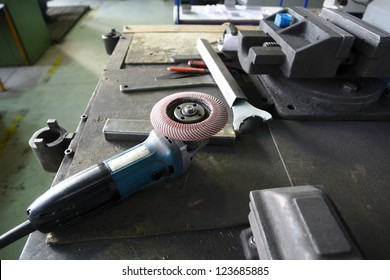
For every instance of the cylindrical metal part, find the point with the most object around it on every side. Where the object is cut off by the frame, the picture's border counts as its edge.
(110, 40)
(49, 144)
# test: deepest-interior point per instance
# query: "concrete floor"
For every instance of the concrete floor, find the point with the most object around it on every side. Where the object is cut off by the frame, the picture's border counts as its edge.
(58, 86)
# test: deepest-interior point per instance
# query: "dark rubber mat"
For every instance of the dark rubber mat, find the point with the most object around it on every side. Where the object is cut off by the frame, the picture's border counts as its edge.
(62, 19)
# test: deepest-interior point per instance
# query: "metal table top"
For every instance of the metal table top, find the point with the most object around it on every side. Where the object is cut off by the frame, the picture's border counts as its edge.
(201, 214)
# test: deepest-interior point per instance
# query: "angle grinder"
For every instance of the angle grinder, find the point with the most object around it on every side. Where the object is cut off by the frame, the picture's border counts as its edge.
(182, 123)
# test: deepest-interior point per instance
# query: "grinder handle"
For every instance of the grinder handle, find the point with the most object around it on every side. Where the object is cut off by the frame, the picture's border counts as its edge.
(102, 184)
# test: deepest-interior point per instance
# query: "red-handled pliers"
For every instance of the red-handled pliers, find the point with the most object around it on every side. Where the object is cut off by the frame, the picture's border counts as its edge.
(180, 69)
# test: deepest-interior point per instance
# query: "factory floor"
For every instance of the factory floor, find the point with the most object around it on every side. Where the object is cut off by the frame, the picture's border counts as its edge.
(59, 85)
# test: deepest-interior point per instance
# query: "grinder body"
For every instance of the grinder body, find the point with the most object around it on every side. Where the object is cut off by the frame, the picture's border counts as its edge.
(109, 181)
(182, 123)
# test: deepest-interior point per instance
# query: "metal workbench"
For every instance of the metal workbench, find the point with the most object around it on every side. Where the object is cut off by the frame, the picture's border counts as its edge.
(201, 214)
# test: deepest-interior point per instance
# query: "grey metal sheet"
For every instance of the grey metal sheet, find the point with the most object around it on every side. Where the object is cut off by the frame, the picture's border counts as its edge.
(350, 159)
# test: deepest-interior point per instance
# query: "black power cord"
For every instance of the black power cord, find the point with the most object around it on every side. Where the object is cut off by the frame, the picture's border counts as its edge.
(16, 233)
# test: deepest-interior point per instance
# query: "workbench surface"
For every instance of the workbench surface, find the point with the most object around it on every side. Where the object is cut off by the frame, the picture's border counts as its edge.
(201, 214)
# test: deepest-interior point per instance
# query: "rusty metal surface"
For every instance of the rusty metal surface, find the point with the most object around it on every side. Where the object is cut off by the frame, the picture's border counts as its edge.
(159, 47)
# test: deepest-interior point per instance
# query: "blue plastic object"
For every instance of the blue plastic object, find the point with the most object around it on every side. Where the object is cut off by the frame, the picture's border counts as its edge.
(141, 165)
(282, 20)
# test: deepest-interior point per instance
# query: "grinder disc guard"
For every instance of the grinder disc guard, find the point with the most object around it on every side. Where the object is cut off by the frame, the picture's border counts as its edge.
(189, 116)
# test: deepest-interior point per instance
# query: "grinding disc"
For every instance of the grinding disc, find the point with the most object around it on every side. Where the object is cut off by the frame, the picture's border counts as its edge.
(189, 116)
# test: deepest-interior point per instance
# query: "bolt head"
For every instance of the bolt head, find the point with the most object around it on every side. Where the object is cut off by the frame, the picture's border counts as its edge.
(349, 87)
(189, 110)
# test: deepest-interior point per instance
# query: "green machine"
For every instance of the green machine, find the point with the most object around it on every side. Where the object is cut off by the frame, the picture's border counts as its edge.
(24, 36)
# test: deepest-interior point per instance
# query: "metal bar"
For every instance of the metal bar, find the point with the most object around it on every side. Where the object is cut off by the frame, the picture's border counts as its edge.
(205, 80)
(138, 131)
(225, 81)
(234, 96)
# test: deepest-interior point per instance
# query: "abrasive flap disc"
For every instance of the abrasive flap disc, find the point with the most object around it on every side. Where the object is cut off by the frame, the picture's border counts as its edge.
(189, 116)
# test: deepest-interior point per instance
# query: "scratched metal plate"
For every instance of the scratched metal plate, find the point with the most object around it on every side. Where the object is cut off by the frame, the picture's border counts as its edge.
(159, 47)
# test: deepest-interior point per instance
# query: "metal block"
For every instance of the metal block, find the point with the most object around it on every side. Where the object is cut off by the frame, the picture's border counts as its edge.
(298, 223)
(138, 131)
(371, 44)
(311, 46)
